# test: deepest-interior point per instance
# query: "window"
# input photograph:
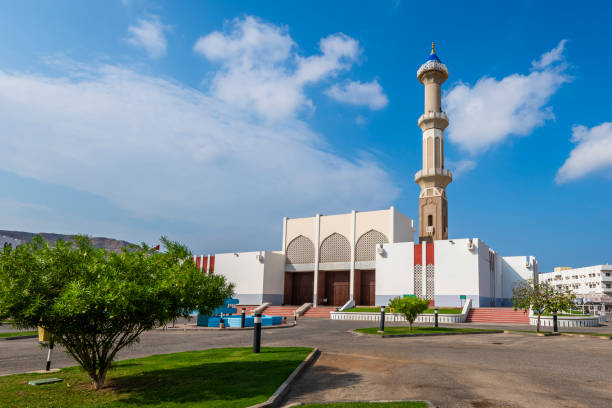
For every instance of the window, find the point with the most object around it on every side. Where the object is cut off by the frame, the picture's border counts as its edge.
(366, 245)
(335, 248)
(300, 251)
(430, 220)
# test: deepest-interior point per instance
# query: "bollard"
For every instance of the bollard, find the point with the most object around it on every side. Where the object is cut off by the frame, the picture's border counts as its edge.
(555, 327)
(295, 317)
(436, 317)
(257, 333)
(242, 317)
(48, 367)
(382, 319)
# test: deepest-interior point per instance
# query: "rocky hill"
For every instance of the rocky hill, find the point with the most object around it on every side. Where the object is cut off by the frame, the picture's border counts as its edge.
(99, 242)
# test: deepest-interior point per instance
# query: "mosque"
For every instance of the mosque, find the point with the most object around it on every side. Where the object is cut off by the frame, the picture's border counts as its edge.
(371, 257)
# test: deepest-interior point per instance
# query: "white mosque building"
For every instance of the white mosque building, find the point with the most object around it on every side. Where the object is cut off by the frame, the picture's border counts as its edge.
(371, 257)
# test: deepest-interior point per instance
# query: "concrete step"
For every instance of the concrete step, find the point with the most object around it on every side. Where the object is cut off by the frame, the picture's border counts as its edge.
(320, 312)
(497, 315)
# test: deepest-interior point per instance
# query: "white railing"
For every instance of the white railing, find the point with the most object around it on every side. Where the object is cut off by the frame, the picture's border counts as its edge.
(567, 321)
(396, 317)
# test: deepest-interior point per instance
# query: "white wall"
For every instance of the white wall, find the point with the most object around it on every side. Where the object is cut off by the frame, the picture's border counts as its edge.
(403, 228)
(394, 272)
(484, 273)
(456, 272)
(245, 272)
(514, 269)
(274, 278)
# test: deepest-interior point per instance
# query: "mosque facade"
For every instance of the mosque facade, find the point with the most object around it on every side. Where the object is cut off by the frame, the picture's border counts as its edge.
(368, 258)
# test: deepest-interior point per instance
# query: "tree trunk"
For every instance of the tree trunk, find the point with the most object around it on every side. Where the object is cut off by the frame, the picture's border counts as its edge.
(538, 325)
(98, 379)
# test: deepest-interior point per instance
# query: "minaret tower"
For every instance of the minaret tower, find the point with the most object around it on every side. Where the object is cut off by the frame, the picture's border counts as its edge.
(433, 178)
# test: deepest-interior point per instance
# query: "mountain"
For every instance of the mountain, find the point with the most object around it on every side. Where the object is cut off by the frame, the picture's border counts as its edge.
(99, 242)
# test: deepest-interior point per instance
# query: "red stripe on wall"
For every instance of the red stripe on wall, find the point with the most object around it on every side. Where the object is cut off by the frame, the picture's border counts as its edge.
(418, 254)
(212, 263)
(429, 256)
(205, 264)
(197, 261)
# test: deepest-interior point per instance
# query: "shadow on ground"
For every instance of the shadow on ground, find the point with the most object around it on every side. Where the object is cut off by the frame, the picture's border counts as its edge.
(323, 378)
(228, 383)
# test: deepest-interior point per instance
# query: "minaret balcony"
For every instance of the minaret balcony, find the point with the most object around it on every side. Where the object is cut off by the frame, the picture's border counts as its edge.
(429, 120)
(437, 177)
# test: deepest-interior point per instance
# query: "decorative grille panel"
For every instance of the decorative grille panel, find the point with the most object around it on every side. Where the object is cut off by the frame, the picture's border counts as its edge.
(429, 282)
(335, 248)
(418, 280)
(366, 245)
(300, 251)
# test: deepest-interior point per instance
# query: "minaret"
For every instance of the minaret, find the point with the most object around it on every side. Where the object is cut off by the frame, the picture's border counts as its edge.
(433, 178)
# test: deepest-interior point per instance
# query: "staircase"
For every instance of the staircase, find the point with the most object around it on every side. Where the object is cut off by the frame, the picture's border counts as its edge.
(321, 312)
(497, 315)
(280, 310)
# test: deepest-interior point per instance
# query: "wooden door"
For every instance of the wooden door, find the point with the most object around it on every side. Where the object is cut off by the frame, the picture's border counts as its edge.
(337, 287)
(368, 288)
(303, 285)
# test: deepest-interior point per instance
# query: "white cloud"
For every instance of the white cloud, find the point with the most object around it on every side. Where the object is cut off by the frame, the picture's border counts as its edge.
(550, 57)
(460, 167)
(369, 94)
(492, 110)
(156, 148)
(360, 120)
(261, 69)
(593, 152)
(149, 34)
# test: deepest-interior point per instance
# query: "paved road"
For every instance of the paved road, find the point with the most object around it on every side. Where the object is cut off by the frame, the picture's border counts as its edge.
(497, 370)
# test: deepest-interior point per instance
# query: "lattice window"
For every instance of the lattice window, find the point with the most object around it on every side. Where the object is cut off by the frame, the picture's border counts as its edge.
(300, 251)
(335, 248)
(366, 245)
(429, 282)
(418, 280)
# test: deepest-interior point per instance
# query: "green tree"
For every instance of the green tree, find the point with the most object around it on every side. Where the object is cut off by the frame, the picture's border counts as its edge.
(530, 295)
(410, 307)
(95, 302)
(558, 300)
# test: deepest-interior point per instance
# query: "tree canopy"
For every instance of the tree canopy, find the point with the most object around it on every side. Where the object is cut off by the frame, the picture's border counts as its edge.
(540, 297)
(410, 307)
(95, 302)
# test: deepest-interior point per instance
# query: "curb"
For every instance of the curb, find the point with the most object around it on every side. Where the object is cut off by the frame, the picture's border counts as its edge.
(586, 336)
(201, 328)
(548, 334)
(386, 336)
(281, 391)
(299, 404)
(30, 336)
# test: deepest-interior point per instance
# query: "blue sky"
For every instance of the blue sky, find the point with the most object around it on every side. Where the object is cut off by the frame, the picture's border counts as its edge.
(210, 121)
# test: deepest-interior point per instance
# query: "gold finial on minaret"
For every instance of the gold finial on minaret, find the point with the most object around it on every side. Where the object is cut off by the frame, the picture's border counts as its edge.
(433, 51)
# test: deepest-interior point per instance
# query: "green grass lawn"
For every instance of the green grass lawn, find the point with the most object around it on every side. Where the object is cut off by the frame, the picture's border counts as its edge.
(229, 377)
(442, 310)
(421, 330)
(403, 404)
(22, 333)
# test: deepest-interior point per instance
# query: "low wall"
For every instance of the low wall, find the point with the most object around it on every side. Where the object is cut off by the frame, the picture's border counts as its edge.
(396, 317)
(567, 321)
